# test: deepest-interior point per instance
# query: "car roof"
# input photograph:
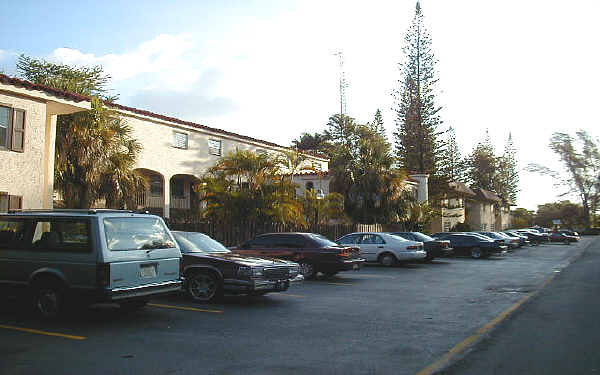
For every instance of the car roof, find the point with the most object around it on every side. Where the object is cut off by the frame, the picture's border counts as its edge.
(76, 212)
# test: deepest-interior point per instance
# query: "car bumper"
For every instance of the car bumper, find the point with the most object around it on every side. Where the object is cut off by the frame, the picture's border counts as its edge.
(346, 265)
(256, 285)
(117, 294)
(411, 255)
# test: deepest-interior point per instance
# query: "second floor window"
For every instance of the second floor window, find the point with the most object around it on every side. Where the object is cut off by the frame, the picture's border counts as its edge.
(214, 147)
(180, 140)
(12, 129)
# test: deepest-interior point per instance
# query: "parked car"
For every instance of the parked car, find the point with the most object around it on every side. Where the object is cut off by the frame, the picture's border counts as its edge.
(511, 243)
(210, 270)
(384, 248)
(473, 245)
(314, 252)
(523, 239)
(535, 237)
(434, 248)
(59, 257)
(569, 232)
(562, 237)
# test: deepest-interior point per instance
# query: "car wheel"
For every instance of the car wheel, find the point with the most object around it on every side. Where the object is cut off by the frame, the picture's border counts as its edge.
(387, 259)
(307, 270)
(49, 300)
(566, 242)
(204, 286)
(476, 253)
(429, 258)
(329, 274)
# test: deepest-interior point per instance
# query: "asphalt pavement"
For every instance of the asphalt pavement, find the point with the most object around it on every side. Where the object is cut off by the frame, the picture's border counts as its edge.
(376, 321)
(557, 332)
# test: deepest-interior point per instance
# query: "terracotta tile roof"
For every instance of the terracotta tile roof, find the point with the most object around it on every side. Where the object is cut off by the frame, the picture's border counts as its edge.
(48, 90)
(78, 98)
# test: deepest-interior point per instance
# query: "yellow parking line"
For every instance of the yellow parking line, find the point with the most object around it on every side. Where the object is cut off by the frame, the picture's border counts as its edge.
(466, 343)
(186, 308)
(38, 332)
(290, 295)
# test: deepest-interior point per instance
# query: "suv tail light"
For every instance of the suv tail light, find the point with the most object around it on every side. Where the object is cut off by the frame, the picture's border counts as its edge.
(103, 275)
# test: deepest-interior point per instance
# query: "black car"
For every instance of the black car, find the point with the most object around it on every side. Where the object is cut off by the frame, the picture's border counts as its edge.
(210, 269)
(434, 247)
(535, 238)
(472, 245)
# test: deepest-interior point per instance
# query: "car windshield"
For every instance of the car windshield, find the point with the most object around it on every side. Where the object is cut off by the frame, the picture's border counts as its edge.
(136, 233)
(194, 242)
(423, 237)
(322, 240)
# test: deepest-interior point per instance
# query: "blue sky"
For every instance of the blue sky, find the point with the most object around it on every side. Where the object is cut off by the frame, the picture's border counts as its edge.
(266, 69)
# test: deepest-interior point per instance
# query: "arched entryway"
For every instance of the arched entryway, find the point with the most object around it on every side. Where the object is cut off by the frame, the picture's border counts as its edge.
(153, 197)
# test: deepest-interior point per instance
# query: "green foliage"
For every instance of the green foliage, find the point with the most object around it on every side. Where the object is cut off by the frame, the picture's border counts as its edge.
(311, 142)
(95, 152)
(451, 165)
(418, 216)
(417, 117)
(244, 185)
(461, 227)
(571, 215)
(483, 165)
(522, 218)
(362, 167)
(377, 125)
(90, 81)
(322, 210)
(580, 176)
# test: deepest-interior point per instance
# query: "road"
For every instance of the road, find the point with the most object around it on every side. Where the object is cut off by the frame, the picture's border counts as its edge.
(557, 332)
(376, 321)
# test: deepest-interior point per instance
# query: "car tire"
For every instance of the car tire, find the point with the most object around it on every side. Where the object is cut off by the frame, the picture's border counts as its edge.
(308, 270)
(387, 260)
(49, 299)
(330, 274)
(204, 286)
(567, 242)
(429, 258)
(476, 253)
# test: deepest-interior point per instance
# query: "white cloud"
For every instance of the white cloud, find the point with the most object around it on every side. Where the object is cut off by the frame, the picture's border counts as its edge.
(166, 57)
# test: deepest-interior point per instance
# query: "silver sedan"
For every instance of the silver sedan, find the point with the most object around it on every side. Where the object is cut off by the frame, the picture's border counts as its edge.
(384, 248)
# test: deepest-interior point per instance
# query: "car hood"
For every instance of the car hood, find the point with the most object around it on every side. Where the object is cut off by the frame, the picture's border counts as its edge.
(242, 259)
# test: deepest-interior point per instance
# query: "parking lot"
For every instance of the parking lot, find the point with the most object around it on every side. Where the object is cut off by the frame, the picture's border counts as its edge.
(379, 320)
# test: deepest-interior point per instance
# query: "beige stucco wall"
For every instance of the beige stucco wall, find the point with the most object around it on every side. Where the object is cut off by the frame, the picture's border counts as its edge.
(23, 173)
(481, 215)
(159, 154)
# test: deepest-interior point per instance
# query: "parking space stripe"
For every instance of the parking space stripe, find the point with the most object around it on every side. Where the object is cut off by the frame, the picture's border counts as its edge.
(469, 341)
(186, 308)
(289, 295)
(45, 333)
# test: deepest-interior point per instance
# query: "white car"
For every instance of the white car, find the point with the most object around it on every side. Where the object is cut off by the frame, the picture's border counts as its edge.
(384, 248)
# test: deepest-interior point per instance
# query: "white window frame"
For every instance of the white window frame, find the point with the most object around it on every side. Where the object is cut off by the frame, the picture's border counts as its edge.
(177, 140)
(212, 150)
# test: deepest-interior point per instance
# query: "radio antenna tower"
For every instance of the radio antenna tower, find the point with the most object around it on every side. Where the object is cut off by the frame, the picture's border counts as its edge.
(343, 83)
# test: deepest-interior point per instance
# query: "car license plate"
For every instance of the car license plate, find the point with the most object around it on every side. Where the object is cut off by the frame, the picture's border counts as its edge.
(148, 270)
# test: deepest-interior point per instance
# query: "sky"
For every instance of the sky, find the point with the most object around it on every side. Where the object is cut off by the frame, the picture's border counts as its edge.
(266, 69)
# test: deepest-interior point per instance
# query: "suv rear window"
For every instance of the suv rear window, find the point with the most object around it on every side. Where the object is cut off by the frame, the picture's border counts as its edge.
(136, 233)
(12, 234)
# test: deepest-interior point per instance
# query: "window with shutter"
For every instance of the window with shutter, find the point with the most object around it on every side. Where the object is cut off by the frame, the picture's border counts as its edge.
(18, 131)
(180, 140)
(214, 147)
(3, 201)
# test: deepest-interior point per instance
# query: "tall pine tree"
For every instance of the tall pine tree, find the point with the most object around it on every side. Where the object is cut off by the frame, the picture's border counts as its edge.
(509, 171)
(417, 118)
(482, 169)
(451, 164)
(377, 124)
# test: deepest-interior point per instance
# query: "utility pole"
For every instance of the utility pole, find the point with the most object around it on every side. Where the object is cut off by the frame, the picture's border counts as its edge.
(343, 84)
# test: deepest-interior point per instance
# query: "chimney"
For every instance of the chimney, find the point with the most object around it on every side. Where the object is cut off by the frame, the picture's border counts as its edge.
(423, 190)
